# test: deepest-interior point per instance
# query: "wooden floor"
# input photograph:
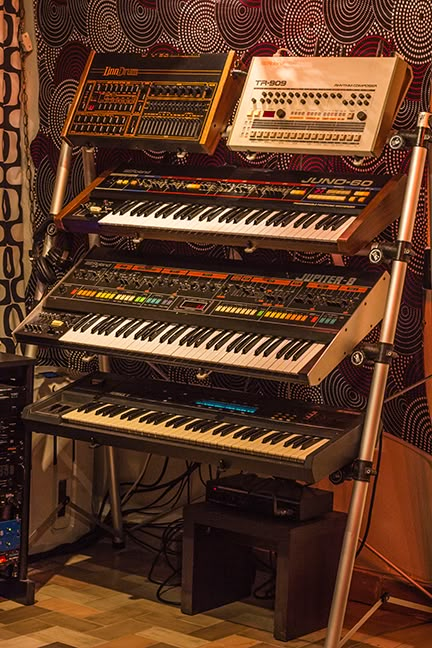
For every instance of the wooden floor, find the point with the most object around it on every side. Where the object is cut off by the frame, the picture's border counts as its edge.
(102, 598)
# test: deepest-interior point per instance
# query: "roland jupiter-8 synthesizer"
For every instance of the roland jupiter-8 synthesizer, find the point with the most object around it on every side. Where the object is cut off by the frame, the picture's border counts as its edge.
(155, 102)
(318, 105)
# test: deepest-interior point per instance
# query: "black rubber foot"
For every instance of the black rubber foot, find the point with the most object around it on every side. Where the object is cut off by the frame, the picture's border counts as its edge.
(21, 591)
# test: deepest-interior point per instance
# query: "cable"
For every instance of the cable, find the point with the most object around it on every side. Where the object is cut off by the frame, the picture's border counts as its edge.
(373, 494)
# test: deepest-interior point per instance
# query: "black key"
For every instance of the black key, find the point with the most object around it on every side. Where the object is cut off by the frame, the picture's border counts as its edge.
(193, 423)
(258, 218)
(128, 324)
(168, 212)
(279, 219)
(208, 425)
(176, 334)
(99, 325)
(147, 330)
(271, 220)
(225, 429)
(88, 407)
(109, 329)
(231, 211)
(163, 417)
(299, 442)
(137, 325)
(339, 222)
(224, 340)
(288, 218)
(310, 443)
(285, 349)
(89, 323)
(240, 433)
(113, 410)
(290, 442)
(309, 221)
(105, 408)
(272, 347)
(168, 333)
(192, 338)
(82, 321)
(233, 344)
(243, 342)
(251, 343)
(130, 416)
(302, 219)
(290, 353)
(148, 417)
(248, 434)
(177, 422)
(203, 337)
(120, 409)
(189, 334)
(158, 331)
(263, 346)
(211, 215)
(298, 354)
(137, 209)
(228, 430)
(258, 434)
(125, 207)
(215, 339)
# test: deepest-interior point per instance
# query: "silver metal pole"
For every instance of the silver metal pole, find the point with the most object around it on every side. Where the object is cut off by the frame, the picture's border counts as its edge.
(376, 397)
(104, 364)
(62, 176)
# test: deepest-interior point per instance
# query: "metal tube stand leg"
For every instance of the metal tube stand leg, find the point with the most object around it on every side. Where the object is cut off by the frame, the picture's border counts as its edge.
(113, 487)
(376, 398)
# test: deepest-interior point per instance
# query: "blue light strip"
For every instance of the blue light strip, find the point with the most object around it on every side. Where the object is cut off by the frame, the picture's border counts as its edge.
(230, 407)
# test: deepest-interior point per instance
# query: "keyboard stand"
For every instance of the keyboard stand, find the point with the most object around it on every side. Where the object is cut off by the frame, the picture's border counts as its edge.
(62, 175)
(363, 468)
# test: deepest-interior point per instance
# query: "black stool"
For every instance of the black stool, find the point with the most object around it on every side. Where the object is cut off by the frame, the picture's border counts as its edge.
(218, 563)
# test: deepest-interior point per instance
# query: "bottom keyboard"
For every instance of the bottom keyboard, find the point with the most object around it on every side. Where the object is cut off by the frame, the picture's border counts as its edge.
(290, 439)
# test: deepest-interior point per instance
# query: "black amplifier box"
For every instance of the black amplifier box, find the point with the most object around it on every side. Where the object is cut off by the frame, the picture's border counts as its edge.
(273, 496)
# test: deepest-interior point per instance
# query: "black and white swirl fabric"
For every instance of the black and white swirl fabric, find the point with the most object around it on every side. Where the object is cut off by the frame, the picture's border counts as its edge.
(104, 28)
(241, 25)
(412, 21)
(78, 10)
(54, 22)
(169, 13)
(198, 31)
(273, 12)
(60, 103)
(140, 21)
(383, 12)
(304, 29)
(348, 20)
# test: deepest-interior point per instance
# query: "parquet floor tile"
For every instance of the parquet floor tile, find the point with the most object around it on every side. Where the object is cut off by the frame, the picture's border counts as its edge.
(102, 598)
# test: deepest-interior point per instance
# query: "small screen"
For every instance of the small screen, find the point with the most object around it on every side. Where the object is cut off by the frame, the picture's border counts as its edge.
(227, 407)
(194, 305)
(268, 113)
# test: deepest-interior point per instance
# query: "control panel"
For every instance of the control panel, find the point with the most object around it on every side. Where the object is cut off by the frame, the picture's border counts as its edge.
(317, 301)
(160, 103)
(319, 105)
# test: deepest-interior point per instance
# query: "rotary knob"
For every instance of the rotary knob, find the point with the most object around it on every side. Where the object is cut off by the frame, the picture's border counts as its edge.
(281, 113)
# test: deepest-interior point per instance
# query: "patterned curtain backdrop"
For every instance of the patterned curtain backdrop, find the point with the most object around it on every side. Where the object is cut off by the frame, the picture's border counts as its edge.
(67, 29)
(11, 224)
